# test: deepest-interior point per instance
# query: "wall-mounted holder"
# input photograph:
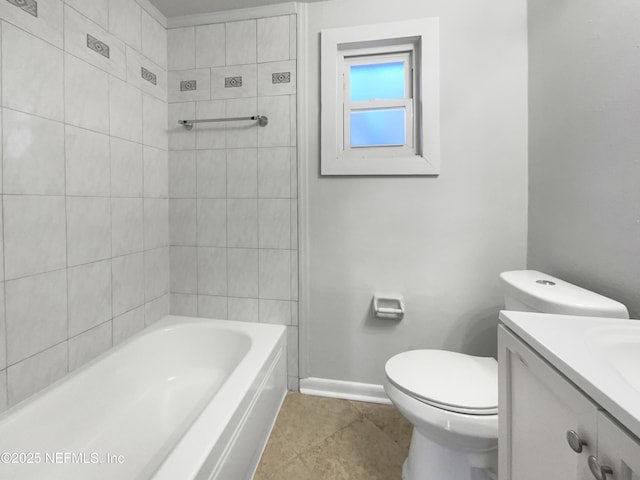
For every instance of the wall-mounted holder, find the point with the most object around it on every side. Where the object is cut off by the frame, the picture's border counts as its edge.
(388, 307)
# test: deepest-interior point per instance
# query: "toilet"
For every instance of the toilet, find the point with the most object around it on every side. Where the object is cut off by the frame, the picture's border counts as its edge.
(452, 398)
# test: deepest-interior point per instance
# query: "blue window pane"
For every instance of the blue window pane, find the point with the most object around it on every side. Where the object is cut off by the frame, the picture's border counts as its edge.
(377, 127)
(377, 81)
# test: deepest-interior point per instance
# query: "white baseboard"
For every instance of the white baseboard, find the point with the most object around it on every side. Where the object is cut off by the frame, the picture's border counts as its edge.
(362, 392)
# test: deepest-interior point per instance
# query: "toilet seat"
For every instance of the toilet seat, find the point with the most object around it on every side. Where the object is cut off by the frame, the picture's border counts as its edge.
(447, 380)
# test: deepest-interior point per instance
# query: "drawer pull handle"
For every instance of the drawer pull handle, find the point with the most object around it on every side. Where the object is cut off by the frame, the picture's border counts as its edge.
(575, 442)
(599, 471)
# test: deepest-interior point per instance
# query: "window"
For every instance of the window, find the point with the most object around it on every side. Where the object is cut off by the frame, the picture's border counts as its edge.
(380, 100)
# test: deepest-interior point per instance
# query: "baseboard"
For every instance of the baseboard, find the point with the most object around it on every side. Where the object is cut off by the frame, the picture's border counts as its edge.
(362, 392)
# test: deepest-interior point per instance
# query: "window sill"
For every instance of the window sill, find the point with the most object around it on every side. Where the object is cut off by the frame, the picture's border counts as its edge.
(396, 165)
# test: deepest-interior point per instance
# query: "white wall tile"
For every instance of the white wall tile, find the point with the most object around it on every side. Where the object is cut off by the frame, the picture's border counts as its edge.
(47, 25)
(3, 391)
(199, 81)
(125, 22)
(87, 162)
(181, 48)
(88, 229)
(212, 307)
(127, 282)
(242, 173)
(243, 134)
(274, 220)
(212, 222)
(76, 28)
(278, 132)
(89, 289)
(212, 271)
(245, 83)
(36, 314)
(210, 45)
(135, 63)
(276, 312)
(156, 223)
(182, 221)
(34, 235)
(126, 226)
(182, 304)
(277, 78)
(125, 106)
(89, 345)
(274, 172)
(241, 42)
(96, 10)
(154, 122)
(182, 174)
(181, 138)
(212, 173)
(156, 273)
(32, 74)
(243, 309)
(156, 310)
(242, 272)
(37, 372)
(293, 120)
(273, 39)
(128, 324)
(155, 172)
(33, 160)
(3, 337)
(154, 40)
(293, 37)
(275, 274)
(126, 168)
(86, 99)
(183, 268)
(210, 135)
(242, 223)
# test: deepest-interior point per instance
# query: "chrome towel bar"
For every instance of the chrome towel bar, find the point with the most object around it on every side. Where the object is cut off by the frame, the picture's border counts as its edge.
(261, 119)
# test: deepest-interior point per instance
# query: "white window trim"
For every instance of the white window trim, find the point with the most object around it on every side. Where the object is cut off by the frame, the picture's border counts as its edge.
(335, 159)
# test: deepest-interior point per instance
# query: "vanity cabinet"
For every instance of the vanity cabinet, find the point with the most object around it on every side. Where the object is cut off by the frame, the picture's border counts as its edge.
(550, 429)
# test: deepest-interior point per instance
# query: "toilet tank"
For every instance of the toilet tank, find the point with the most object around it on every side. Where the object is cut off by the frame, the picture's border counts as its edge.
(533, 291)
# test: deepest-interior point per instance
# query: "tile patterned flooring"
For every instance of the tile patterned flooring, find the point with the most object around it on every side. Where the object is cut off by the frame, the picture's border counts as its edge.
(318, 438)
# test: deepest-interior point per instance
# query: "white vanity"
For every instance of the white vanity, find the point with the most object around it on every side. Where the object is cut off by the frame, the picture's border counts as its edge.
(569, 397)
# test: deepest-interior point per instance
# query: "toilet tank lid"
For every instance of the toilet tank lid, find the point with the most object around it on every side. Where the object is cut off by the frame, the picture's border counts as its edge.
(548, 294)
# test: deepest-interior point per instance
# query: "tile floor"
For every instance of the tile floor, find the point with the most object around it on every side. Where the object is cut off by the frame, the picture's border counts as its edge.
(318, 438)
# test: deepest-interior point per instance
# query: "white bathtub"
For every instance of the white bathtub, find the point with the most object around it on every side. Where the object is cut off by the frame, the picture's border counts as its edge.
(185, 399)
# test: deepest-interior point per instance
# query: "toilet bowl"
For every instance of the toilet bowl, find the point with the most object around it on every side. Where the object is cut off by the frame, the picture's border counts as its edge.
(452, 401)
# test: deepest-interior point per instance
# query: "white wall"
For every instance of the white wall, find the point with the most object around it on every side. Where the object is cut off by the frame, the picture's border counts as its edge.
(439, 241)
(584, 144)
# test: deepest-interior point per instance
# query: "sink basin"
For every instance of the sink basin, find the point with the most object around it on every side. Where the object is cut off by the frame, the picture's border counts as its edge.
(619, 348)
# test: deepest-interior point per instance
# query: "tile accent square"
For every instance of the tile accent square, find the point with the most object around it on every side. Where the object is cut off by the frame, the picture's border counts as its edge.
(97, 46)
(29, 6)
(187, 85)
(281, 77)
(232, 82)
(149, 76)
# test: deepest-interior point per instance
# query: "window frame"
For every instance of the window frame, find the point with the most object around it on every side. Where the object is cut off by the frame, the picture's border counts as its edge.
(369, 56)
(421, 153)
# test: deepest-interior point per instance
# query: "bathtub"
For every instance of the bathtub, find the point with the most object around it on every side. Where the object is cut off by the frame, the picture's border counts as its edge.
(187, 398)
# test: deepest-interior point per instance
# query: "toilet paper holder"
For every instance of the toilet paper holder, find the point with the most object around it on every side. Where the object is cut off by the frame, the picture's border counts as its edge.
(388, 307)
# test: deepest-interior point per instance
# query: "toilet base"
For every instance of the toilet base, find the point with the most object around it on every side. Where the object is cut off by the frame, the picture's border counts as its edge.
(429, 460)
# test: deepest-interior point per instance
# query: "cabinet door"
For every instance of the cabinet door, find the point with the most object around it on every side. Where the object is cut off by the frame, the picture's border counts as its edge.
(537, 408)
(618, 450)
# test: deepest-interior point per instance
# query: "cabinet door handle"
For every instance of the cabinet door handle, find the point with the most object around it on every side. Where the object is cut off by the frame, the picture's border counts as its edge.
(575, 442)
(599, 471)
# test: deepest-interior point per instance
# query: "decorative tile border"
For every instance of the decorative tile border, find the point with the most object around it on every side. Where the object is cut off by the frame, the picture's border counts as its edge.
(97, 46)
(148, 76)
(232, 82)
(281, 77)
(187, 85)
(29, 6)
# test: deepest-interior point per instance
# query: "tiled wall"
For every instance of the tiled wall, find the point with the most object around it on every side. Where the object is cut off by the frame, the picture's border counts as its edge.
(233, 186)
(85, 257)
